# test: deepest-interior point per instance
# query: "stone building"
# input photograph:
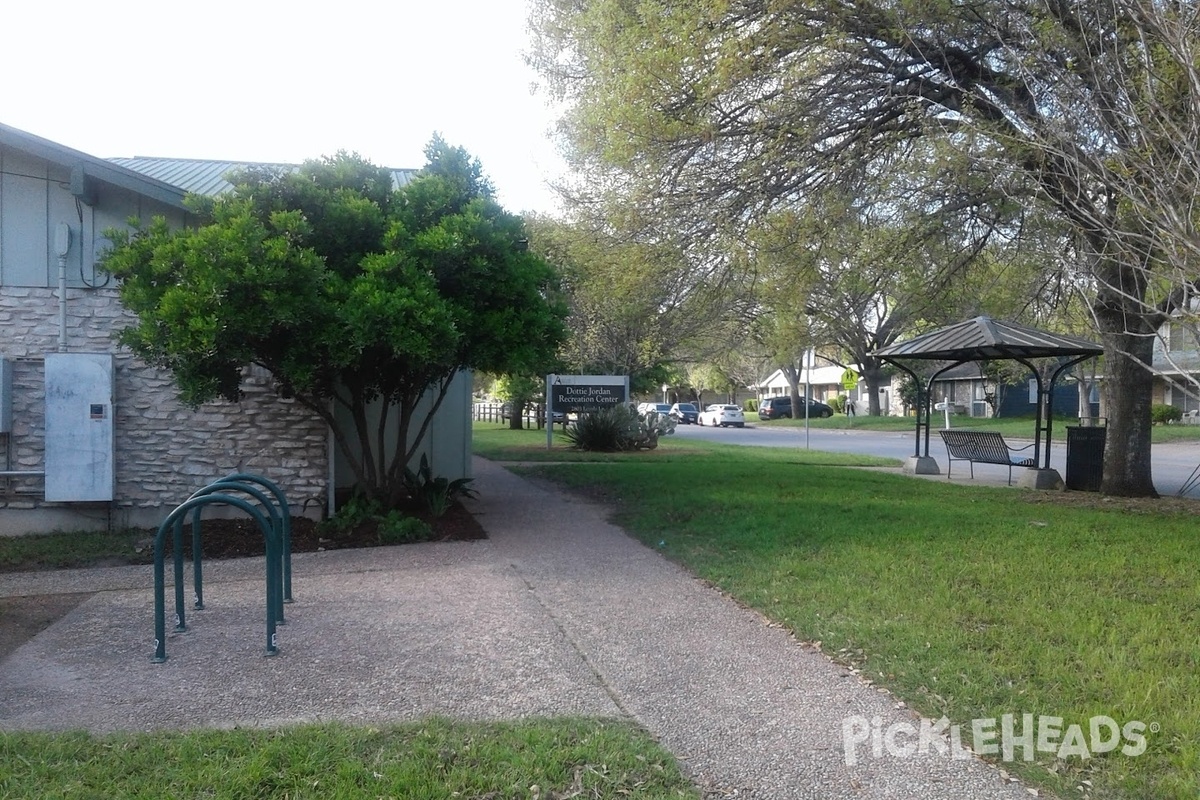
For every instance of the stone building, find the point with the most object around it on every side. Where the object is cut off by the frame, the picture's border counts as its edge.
(90, 436)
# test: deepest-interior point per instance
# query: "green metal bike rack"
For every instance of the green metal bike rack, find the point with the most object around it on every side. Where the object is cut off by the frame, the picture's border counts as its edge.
(224, 487)
(274, 578)
(285, 514)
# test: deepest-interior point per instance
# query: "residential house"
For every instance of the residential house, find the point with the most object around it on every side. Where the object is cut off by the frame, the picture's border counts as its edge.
(966, 390)
(1176, 365)
(825, 383)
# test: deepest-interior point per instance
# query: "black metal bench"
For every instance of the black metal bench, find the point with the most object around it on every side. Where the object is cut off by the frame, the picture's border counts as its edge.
(984, 447)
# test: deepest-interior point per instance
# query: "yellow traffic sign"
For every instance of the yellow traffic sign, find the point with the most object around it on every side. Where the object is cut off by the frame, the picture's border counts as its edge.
(849, 380)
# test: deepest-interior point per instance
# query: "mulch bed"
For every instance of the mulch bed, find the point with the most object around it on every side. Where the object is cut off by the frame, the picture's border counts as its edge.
(241, 538)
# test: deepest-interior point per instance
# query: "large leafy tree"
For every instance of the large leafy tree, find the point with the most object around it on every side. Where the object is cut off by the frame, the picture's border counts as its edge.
(723, 112)
(354, 295)
(635, 307)
(850, 273)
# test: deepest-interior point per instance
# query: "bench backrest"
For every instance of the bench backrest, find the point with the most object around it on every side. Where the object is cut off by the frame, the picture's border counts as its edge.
(976, 445)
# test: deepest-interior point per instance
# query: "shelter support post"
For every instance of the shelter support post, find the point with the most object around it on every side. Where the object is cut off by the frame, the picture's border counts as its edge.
(1042, 475)
(920, 464)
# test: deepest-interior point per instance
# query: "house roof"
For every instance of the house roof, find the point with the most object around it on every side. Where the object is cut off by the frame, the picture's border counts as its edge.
(819, 376)
(200, 176)
(986, 339)
(95, 169)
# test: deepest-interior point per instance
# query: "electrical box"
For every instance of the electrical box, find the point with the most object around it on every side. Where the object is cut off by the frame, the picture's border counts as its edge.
(80, 457)
(6, 395)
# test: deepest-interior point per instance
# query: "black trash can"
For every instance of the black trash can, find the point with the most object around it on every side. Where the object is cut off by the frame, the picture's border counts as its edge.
(1085, 458)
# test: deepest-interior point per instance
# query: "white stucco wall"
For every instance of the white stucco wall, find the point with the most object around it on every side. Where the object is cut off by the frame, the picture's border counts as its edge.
(447, 444)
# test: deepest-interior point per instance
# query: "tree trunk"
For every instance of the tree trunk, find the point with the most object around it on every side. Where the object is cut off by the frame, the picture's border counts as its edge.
(1128, 392)
(516, 422)
(792, 374)
(1083, 382)
(872, 375)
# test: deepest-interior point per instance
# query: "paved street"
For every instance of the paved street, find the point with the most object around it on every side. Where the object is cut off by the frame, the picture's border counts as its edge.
(1172, 463)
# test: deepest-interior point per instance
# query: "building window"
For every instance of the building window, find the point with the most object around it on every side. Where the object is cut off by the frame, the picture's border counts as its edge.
(1182, 337)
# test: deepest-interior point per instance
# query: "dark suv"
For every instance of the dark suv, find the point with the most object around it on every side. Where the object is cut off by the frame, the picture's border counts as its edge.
(777, 407)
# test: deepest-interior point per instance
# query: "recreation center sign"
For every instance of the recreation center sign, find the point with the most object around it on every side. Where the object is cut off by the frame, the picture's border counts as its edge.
(583, 393)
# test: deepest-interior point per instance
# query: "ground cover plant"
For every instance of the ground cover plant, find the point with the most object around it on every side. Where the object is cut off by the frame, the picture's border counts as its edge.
(430, 759)
(967, 602)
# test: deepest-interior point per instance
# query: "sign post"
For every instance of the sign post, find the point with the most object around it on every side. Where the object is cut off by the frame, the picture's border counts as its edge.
(849, 383)
(580, 394)
(810, 360)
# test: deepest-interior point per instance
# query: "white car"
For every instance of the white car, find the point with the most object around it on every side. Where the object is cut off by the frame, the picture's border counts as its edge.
(720, 416)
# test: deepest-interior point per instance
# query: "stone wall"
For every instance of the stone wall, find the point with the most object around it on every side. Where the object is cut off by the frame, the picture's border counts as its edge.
(164, 450)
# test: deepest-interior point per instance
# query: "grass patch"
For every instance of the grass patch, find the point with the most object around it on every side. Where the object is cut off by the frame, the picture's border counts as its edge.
(432, 759)
(499, 443)
(968, 602)
(1009, 427)
(63, 550)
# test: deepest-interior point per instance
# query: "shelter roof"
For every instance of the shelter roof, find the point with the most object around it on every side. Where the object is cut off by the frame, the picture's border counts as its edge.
(987, 339)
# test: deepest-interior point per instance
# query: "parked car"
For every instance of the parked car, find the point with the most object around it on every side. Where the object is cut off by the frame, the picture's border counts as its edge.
(685, 413)
(506, 411)
(660, 408)
(720, 416)
(779, 407)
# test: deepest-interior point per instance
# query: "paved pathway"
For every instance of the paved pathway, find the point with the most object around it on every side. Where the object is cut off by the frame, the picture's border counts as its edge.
(558, 612)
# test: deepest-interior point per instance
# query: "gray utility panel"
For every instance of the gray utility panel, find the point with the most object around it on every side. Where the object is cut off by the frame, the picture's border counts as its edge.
(80, 464)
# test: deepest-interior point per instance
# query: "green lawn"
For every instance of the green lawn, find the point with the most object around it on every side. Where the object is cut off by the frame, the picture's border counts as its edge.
(75, 549)
(1010, 427)
(431, 760)
(499, 443)
(969, 602)
(972, 602)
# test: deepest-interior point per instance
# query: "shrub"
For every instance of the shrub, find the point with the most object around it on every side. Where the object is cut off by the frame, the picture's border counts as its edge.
(838, 404)
(436, 494)
(605, 431)
(750, 405)
(1164, 415)
(651, 426)
(396, 528)
(354, 512)
(619, 428)
(391, 527)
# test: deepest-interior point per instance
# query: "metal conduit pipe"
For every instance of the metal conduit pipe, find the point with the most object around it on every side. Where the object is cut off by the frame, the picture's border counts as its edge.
(62, 246)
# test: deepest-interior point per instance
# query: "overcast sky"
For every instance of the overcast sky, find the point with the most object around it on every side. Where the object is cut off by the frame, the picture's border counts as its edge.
(260, 80)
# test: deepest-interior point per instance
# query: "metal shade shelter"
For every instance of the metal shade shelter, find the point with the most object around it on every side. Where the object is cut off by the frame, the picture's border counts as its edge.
(986, 339)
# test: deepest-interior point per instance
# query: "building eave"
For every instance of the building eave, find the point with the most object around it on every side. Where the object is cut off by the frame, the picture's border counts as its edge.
(96, 169)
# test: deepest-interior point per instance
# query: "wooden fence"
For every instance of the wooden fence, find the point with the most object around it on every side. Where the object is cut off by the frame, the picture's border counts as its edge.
(534, 416)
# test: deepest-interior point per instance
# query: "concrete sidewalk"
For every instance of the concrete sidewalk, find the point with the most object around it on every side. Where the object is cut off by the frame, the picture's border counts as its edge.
(557, 613)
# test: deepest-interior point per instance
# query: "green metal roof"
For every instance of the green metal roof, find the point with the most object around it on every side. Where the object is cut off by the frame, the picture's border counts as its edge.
(207, 177)
(987, 339)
